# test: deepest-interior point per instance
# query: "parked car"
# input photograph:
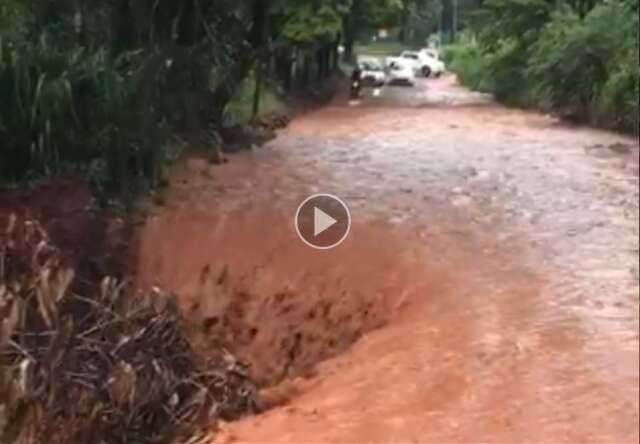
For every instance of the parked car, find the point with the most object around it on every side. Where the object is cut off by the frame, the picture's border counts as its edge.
(431, 52)
(400, 71)
(372, 71)
(424, 63)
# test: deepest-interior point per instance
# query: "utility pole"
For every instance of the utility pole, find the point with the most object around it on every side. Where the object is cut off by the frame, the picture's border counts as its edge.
(261, 36)
(454, 21)
(440, 13)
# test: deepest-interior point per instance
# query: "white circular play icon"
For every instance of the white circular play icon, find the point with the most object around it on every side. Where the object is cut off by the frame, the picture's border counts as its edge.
(323, 221)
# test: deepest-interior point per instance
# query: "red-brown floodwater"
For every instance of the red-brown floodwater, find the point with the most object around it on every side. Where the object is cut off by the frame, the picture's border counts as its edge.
(487, 292)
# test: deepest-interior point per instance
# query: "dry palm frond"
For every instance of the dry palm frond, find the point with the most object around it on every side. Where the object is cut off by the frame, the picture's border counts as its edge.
(110, 367)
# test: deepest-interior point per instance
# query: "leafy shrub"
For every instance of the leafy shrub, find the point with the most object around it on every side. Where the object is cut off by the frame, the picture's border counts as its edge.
(586, 68)
(619, 98)
(573, 59)
(65, 108)
(239, 109)
(470, 65)
(497, 58)
(505, 67)
(519, 20)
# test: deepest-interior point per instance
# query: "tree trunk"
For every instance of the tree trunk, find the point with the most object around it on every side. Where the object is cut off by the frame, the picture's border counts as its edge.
(335, 54)
(80, 22)
(188, 23)
(327, 61)
(403, 23)
(454, 21)
(239, 71)
(306, 70)
(349, 37)
(288, 66)
(298, 68)
(283, 64)
(122, 25)
(321, 60)
(257, 90)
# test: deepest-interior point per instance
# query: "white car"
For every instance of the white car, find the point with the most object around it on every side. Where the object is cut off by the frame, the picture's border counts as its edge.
(424, 63)
(372, 71)
(431, 52)
(400, 71)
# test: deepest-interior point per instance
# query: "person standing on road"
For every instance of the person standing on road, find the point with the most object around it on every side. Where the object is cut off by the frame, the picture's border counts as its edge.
(356, 83)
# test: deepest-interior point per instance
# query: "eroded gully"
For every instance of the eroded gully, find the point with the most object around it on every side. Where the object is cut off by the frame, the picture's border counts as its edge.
(501, 245)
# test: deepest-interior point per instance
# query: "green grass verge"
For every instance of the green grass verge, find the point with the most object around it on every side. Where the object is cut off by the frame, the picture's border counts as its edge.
(384, 49)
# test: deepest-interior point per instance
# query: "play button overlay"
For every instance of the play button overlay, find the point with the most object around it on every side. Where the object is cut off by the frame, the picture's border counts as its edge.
(322, 221)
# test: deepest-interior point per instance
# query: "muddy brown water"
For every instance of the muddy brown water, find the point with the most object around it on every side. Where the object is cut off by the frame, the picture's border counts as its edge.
(487, 292)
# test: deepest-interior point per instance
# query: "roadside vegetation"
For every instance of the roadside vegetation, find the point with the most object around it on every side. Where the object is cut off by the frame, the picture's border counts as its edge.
(101, 90)
(240, 110)
(386, 48)
(105, 91)
(111, 92)
(108, 93)
(576, 58)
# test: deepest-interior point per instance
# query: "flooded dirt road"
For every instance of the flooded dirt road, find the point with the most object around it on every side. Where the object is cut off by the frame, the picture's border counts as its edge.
(487, 292)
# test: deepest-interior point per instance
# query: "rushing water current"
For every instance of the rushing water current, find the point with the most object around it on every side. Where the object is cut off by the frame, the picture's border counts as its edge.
(501, 244)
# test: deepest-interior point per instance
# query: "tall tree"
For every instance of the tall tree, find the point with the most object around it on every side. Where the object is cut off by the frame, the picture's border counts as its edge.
(364, 17)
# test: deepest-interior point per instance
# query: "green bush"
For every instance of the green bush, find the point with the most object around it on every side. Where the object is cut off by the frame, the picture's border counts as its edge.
(585, 68)
(95, 91)
(383, 48)
(470, 65)
(618, 105)
(37, 106)
(239, 110)
(70, 110)
(497, 71)
(505, 67)
(574, 59)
